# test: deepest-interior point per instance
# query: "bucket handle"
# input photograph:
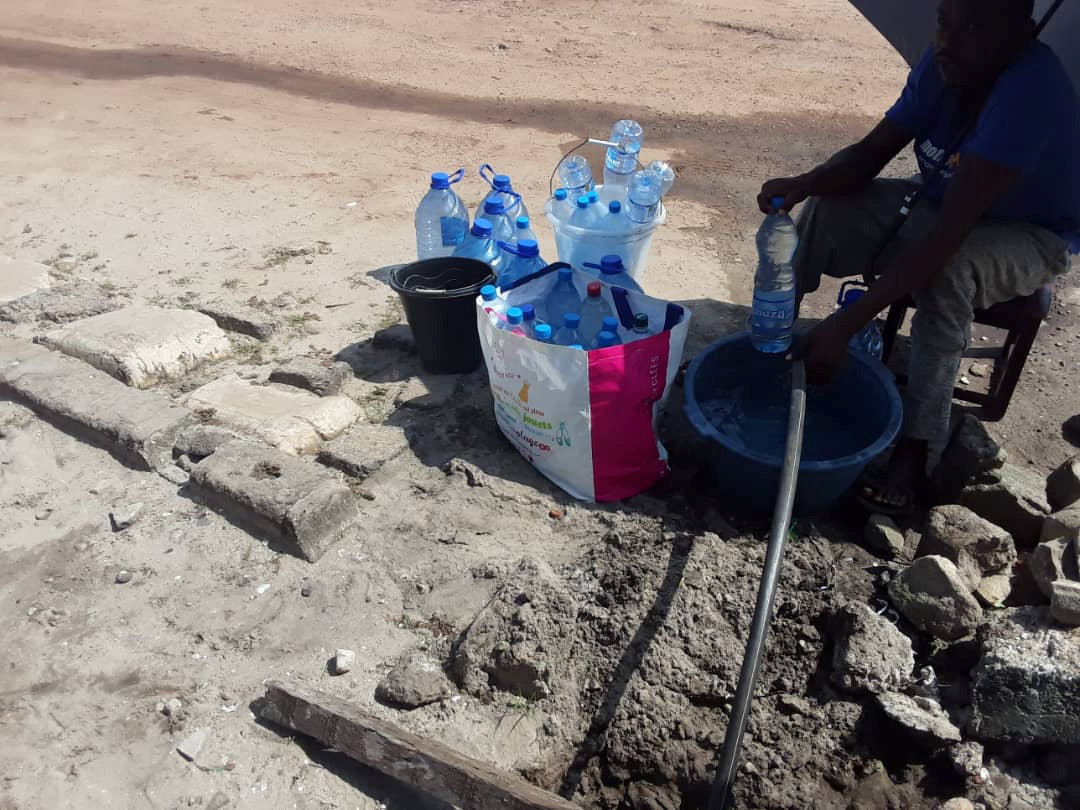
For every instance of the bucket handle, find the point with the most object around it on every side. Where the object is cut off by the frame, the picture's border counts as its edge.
(554, 267)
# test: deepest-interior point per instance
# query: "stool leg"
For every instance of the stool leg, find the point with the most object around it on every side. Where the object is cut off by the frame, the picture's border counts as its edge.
(1021, 340)
(893, 322)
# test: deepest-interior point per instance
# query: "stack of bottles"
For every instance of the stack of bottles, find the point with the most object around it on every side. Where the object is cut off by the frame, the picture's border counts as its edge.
(563, 318)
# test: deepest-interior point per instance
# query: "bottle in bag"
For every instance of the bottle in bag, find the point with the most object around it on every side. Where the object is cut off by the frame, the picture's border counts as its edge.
(641, 326)
(543, 333)
(605, 340)
(513, 321)
(576, 176)
(569, 334)
(524, 260)
(562, 298)
(643, 197)
(441, 218)
(500, 186)
(613, 272)
(502, 224)
(528, 319)
(491, 303)
(609, 326)
(868, 339)
(478, 244)
(593, 310)
(621, 161)
(523, 229)
(773, 314)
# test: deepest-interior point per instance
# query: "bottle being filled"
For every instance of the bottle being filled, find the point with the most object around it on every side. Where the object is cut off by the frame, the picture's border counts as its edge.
(563, 298)
(441, 218)
(620, 161)
(479, 244)
(868, 339)
(773, 313)
(500, 185)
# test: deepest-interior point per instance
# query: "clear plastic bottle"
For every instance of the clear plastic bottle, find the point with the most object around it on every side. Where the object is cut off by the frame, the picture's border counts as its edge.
(773, 314)
(492, 304)
(665, 173)
(543, 333)
(593, 310)
(528, 319)
(643, 197)
(641, 326)
(502, 224)
(441, 218)
(562, 206)
(500, 185)
(605, 340)
(576, 176)
(563, 298)
(577, 346)
(609, 326)
(569, 334)
(478, 244)
(513, 321)
(868, 339)
(585, 215)
(621, 161)
(523, 229)
(613, 220)
(524, 261)
(614, 272)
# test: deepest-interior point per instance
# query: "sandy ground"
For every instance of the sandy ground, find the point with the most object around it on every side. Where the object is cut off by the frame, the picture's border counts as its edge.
(173, 147)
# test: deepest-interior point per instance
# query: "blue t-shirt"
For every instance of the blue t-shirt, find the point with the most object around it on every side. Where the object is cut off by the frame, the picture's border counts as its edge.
(1030, 122)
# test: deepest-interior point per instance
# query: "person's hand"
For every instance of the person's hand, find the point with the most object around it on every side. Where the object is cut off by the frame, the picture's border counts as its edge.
(823, 350)
(792, 189)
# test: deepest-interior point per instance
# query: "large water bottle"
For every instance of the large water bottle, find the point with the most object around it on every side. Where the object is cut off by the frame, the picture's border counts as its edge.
(621, 161)
(568, 334)
(613, 272)
(773, 313)
(523, 229)
(593, 310)
(643, 196)
(576, 176)
(502, 224)
(478, 244)
(441, 218)
(501, 186)
(563, 298)
(524, 261)
(586, 215)
(868, 339)
(610, 326)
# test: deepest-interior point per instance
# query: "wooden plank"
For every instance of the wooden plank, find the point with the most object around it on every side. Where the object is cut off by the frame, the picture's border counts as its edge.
(431, 766)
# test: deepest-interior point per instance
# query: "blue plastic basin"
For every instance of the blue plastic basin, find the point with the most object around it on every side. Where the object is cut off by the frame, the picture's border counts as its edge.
(848, 423)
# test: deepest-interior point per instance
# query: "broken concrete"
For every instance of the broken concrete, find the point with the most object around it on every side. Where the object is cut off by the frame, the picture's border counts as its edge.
(276, 496)
(921, 719)
(19, 277)
(931, 594)
(363, 451)
(1051, 561)
(971, 454)
(60, 304)
(976, 546)
(1063, 485)
(1065, 602)
(415, 680)
(869, 653)
(883, 535)
(294, 421)
(142, 346)
(242, 319)
(322, 377)
(138, 427)
(1026, 686)
(1014, 498)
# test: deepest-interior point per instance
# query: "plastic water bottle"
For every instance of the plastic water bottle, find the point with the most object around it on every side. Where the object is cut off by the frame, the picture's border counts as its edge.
(868, 339)
(641, 326)
(585, 215)
(605, 340)
(665, 173)
(563, 298)
(543, 333)
(643, 197)
(562, 206)
(576, 176)
(620, 162)
(610, 326)
(501, 186)
(478, 244)
(524, 261)
(569, 334)
(513, 321)
(613, 272)
(613, 220)
(773, 312)
(523, 229)
(528, 319)
(593, 310)
(502, 224)
(441, 218)
(577, 346)
(491, 303)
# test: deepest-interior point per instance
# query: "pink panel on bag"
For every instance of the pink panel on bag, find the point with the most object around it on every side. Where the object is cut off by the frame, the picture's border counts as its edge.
(625, 382)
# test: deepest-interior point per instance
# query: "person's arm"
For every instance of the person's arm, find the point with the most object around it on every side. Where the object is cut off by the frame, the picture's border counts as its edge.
(847, 171)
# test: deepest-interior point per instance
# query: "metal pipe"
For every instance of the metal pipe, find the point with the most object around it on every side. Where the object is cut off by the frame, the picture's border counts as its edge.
(770, 576)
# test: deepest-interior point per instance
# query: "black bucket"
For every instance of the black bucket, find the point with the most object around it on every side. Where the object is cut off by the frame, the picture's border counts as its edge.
(439, 296)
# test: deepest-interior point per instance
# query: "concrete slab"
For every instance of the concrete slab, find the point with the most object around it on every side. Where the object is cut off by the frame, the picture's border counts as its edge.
(19, 277)
(300, 505)
(142, 346)
(362, 451)
(242, 319)
(61, 304)
(138, 427)
(322, 377)
(287, 418)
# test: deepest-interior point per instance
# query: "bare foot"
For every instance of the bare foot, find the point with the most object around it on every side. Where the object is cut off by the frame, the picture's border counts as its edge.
(894, 490)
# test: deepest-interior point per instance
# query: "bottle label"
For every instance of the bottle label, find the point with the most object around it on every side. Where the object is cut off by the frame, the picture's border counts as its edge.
(772, 309)
(453, 231)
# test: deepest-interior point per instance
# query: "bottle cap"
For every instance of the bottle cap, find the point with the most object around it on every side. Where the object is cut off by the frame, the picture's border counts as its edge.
(571, 320)
(481, 228)
(513, 315)
(522, 222)
(501, 182)
(528, 312)
(611, 264)
(614, 206)
(610, 324)
(641, 321)
(560, 194)
(440, 180)
(582, 201)
(593, 196)
(528, 249)
(605, 339)
(494, 205)
(543, 332)
(488, 292)
(593, 289)
(566, 274)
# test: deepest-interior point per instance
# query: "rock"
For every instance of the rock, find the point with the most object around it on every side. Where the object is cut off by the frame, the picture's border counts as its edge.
(923, 720)
(192, 745)
(172, 707)
(428, 393)
(66, 263)
(138, 427)
(323, 247)
(292, 420)
(306, 591)
(61, 304)
(343, 661)
(142, 346)
(1026, 686)
(1063, 524)
(217, 801)
(1065, 602)
(415, 680)
(199, 441)
(19, 278)
(474, 476)
(1051, 561)
(241, 319)
(980, 370)
(1014, 498)
(869, 653)
(276, 496)
(1070, 430)
(793, 704)
(970, 454)
(363, 451)
(1063, 485)
(931, 594)
(976, 546)
(882, 534)
(959, 803)
(123, 576)
(966, 758)
(994, 590)
(319, 377)
(125, 517)
(174, 475)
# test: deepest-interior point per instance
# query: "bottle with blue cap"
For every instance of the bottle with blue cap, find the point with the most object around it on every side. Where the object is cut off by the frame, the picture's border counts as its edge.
(568, 334)
(586, 215)
(621, 160)
(773, 314)
(523, 229)
(576, 176)
(479, 244)
(562, 298)
(543, 333)
(561, 204)
(442, 219)
(501, 186)
(614, 272)
(868, 339)
(605, 340)
(610, 326)
(528, 319)
(502, 224)
(524, 260)
(492, 304)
